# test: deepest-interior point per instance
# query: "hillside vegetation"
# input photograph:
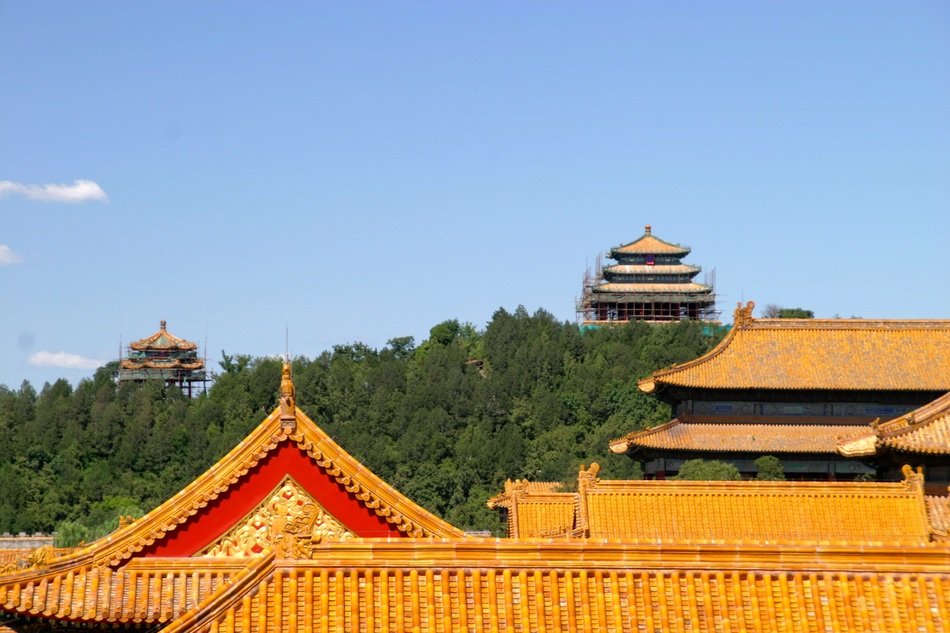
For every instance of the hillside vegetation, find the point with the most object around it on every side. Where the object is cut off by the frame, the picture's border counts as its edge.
(445, 421)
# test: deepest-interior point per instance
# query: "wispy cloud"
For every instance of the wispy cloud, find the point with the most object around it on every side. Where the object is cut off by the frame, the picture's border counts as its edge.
(79, 191)
(7, 256)
(64, 360)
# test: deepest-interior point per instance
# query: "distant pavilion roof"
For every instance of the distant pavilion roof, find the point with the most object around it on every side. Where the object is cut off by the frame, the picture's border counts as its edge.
(923, 431)
(162, 340)
(820, 354)
(649, 244)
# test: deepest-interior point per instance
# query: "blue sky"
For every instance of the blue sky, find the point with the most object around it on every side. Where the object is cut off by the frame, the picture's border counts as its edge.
(357, 172)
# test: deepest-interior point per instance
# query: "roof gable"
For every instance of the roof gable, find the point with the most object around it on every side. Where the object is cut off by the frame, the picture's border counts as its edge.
(286, 444)
(823, 354)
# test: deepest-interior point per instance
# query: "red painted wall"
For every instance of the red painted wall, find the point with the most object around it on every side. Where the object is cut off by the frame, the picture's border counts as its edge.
(220, 515)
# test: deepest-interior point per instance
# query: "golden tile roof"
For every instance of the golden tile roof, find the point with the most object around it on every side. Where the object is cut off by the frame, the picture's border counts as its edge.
(938, 510)
(529, 585)
(649, 244)
(543, 588)
(923, 431)
(728, 511)
(162, 340)
(762, 438)
(536, 509)
(825, 354)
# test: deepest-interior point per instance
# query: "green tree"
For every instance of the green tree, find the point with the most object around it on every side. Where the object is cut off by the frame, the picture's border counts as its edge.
(769, 468)
(707, 470)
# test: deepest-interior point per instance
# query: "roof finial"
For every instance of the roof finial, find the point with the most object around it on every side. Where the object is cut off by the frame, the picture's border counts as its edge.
(647, 229)
(288, 417)
(742, 316)
(162, 324)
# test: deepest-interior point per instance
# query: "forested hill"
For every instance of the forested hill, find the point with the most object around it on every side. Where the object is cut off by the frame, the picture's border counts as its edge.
(446, 422)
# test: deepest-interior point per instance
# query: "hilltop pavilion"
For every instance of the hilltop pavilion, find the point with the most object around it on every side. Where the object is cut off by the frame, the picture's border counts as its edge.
(648, 282)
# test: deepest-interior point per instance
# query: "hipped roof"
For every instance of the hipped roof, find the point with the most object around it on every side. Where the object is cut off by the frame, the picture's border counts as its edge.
(819, 354)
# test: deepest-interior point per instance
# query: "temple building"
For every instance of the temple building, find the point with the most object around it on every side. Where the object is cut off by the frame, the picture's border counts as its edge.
(831, 398)
(288, 532)
(166, 358)
(648, 282)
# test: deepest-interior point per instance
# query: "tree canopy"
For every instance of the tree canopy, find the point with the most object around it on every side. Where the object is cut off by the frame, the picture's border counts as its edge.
(445, 422)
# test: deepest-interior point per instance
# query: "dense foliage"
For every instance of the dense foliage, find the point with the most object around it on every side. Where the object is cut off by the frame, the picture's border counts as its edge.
(446, 422)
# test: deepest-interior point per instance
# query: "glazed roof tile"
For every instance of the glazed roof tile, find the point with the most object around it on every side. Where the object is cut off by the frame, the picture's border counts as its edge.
(652, 288)
(825, 354)
(649, 244)
(727, 511)
(795, 512)
(162, 340)
(546, 595)
(762, 438)
(923, 431)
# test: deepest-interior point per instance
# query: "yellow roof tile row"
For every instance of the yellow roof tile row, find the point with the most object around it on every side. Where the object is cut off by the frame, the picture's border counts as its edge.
(611, 599)
(757, 512)
(829, 354)
(718, 511)
(495, 584)
(762, 438)
(649, 244)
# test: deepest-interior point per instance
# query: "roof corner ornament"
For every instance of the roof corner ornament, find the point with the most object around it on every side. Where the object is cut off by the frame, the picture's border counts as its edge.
(648, 230)
(743, 316)
(587, 477)
(161, 325)
(288, 405)
(913, 480)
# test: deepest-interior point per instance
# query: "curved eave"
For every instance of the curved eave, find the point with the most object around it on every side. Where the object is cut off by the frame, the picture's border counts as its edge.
(769, 359)
(659, 269)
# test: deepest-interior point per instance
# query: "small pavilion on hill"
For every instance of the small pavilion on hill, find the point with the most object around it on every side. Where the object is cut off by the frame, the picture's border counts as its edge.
(290, 533)
(648, 282)
(812, 392)
(164, 357)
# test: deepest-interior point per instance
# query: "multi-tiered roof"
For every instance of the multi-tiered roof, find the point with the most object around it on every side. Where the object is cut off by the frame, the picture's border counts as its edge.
(165, 357)
(648, 282)
(806, 387)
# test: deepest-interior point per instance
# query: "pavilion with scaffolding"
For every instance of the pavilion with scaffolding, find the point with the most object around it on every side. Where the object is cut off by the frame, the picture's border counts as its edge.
(648, 282)
(167, 358)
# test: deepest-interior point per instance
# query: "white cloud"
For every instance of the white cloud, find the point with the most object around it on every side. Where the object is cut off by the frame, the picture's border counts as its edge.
(7, 256)
(64, 360)
(79, 191)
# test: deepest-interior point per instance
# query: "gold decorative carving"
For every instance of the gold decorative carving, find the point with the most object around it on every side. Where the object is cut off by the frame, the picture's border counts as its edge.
(743, 316)
(913, 480)
(288, 522)
(288, 416)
